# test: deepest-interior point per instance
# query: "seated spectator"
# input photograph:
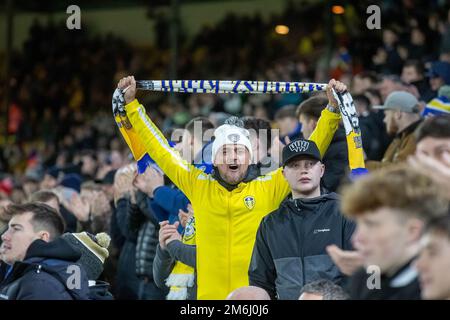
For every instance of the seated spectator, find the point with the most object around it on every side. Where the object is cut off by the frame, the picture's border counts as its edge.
(322, 290)
(248, 293)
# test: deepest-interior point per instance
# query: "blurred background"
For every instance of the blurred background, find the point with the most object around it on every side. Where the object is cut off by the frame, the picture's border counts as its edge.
(56, 83)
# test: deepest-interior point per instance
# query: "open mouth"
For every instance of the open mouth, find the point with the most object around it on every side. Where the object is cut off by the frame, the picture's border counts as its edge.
(233, 167)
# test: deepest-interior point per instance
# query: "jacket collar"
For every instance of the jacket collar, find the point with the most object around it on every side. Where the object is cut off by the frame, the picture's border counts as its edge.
(309, 203)
(409, 128)
(56, 249)
(404, 276)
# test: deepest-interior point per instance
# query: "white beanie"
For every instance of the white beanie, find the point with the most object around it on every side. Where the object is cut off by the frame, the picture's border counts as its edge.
(231, 134)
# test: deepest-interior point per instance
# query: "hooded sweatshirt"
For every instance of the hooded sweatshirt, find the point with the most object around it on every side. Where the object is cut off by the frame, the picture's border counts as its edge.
(48, 272)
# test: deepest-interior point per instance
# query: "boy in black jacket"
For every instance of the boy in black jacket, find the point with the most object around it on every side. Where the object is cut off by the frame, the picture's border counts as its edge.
(290, 247)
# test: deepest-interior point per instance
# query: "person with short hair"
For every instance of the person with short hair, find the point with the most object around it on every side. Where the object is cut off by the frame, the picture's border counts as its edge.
(288, 123)
(433, 263)
(46, 196)
(401, 116)
(248, 293)
(40, 263)
(290, 246)
(336, 157)
(432, 155)
(390, 207)
(322, 290)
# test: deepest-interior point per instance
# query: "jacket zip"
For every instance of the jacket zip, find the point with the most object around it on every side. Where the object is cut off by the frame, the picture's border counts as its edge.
(301, 241)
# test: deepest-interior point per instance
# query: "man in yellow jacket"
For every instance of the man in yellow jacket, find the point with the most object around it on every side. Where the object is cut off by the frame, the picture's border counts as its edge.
(230, 204)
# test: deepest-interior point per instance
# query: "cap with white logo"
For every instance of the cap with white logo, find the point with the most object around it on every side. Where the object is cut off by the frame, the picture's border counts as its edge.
(300, 147)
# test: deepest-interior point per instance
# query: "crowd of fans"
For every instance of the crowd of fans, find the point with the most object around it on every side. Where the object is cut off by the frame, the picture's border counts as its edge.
(70, 191)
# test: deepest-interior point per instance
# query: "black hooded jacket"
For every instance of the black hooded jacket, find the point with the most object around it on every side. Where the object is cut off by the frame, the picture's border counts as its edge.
(290, 246)
(48, 272)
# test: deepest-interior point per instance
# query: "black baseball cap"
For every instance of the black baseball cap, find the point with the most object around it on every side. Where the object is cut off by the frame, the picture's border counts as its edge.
(300, 147)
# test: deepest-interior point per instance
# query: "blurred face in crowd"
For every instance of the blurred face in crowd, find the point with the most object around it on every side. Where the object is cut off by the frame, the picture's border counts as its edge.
(360, 84)
(3, 204)
(388, 86)
(30, 187)
(389, 37)
(434, 266)
(232, 161)
(410, 74)
(287, 125)
(89, 166)
(49, 182)
(54, 203)
(308, 125)
(191, 144)
(436, 83)
(391, 121)
(386, 238)
(18, 237)
(417, 37)
(185, 146)
(116, 159)
(434, 147)
(303, 175)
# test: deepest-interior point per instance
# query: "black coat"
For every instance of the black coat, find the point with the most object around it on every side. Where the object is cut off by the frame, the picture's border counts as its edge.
(403, 285)
(47, 273)
(290, 246)
(335, 161)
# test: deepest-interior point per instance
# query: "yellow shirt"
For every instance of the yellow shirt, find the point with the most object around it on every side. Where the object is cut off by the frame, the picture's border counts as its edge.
(226, 221)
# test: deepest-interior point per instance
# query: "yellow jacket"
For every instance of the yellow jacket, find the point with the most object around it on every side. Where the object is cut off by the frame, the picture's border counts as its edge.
(226, 221)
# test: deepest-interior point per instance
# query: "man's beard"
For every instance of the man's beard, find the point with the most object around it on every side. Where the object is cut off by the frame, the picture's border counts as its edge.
(233, 178)
(392, 129)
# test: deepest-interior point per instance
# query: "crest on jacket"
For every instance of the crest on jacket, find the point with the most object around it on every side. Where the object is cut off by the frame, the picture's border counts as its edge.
(189, 231)
(249, 202)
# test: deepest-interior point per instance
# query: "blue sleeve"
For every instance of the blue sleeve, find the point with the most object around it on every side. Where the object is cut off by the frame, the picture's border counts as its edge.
(159, 213)
(171, 200)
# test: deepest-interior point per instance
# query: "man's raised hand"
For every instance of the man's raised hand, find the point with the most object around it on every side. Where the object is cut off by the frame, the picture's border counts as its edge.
(128, 84)
(338, 87)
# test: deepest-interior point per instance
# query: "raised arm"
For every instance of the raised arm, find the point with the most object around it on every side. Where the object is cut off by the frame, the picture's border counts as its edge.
(329, 119)
(143, 137)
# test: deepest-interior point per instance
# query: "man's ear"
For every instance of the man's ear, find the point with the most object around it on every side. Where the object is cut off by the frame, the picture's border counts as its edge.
(322, 167)
(44, 235)
(415, 228)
